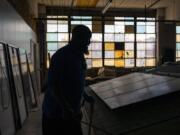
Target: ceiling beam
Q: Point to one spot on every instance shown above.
(154, 3)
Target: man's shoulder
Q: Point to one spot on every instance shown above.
(61, 52)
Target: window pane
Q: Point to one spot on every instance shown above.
(129, 54)
(119, 63)
(119, 45)
(150, 46)
(109, 28)
(62, 44)
(52, 37)
(129, 62)
(177, 53)
(62, 36)
(109, 37)
(141, 37)
(141, 23)
(109, 54)
(150, 29)
(141, 46)
(177, 46)
(96, 37)
(129, 29)
(150, 54)
(177, 29)
(97, 63)
(150, 62)
(109, 46)
(62, 28)
(62, 22)
(96, 46)
(119, 29)
(129, 46)
(129, 37)
(89, 63)
(52, 46)
(140, 62)
(119, 54)
(51, 28)
(150, 37)
(141, 29)
(140, 54)
(119, 37)
(178, 38)
(109, 62)
(96, 54)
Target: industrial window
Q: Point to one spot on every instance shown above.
(146, 38)
(177, 43)
(123, 39)
(119, 42)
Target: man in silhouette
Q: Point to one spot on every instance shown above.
(65, 86)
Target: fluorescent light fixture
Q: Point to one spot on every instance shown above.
(108, 4)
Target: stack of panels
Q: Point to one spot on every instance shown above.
(133, 88)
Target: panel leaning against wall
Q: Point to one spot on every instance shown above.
(18, 83)
(7, 126)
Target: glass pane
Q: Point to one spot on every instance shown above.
(96, 37)
(177, 53)
(178, 38)
(140, 54)
(150, 29)
(129, 29)
(52, 37)
(129, 54)
(97, 63)
(177, 46)
(109, 62)
(52, 46)
(96, 46)
(109, 46)
(141, 29)
(63, 22)
(150, 46)
(129, 37)
(96, 54)
(119, 45)
(150, 37)
(141, 46)
(119, 23)
(140, 62)
(89, 63)
(141, 23)
(62, 44)
(109, 37)
(109, 54)
(119, 37)
(62, 36)
(140, 37)
(177, 59)
(129, 46)
(150, 54)
(129, 23)
(150, 62)
(62, 28)
(177, 29)
(119, 63)
(119, 54)
(119, 29)
(51, 28)
(109, 28)
(51, 22)
(129, 62)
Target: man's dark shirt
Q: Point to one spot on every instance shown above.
(66, 78)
